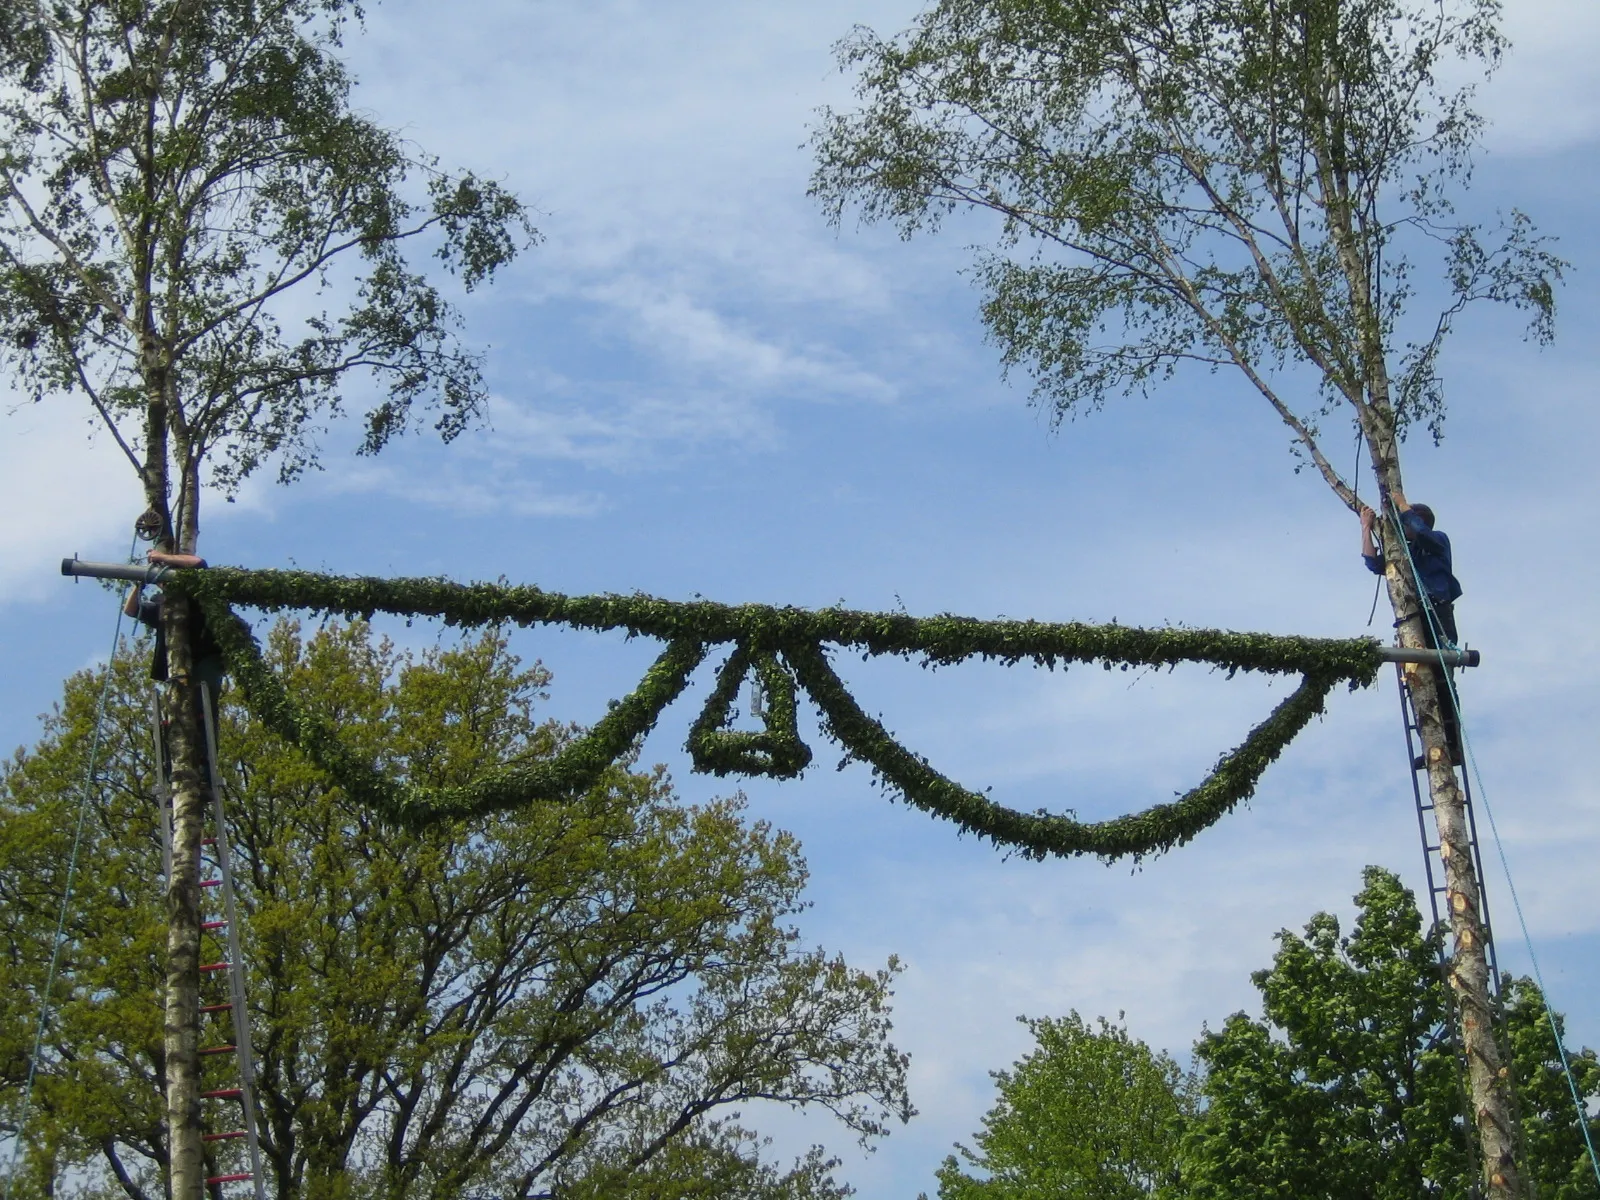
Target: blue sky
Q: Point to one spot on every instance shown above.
(701, 388)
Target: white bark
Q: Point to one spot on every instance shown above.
(1488, 1077)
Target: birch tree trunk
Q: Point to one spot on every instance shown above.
(189, 791)
(1488, 1077)
(190, 794)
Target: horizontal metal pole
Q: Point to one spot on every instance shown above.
(129, 571)
(1450, 658)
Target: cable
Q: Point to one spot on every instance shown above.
(1505, 866)
(66, 899)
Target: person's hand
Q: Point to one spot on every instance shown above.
(1367, 517)
(160, 558)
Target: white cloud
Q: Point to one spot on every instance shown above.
(690, 335)
(68, 490)
(617, 428)
(1544, 98)
(671, 190)
(460, 488)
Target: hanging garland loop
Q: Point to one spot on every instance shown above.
(785, 648)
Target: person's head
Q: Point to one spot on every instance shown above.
(1426, 513)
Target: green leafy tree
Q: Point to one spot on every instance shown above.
(1555, 1144)
(1089, 1114)
(1351, 1085)
(204, 241)
(1249, 185)
(576, 999)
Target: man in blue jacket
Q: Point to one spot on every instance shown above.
(1430, 552)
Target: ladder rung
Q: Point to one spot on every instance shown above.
(239, 1178)
(222, 1137)
(211, 883)
(215, 1008)
(223, 1094)
(208, 841)
(211, 926)
(219, 1050)
(217, 966)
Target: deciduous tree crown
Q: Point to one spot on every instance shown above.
(581, 998)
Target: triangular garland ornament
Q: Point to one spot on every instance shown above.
(718, 749)
(787, 650)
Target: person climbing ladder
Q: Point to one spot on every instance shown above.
(1430, 554)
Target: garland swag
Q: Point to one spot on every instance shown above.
(784, 647)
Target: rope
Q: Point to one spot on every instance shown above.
(1500, 851)
(66, 900)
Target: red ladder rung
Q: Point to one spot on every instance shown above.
(223, 1094)
(216, 966)
(222, 1137)
(216, 1179)
(211, 883)
(208, 841)
(215, 1008)
(213, 926)
(218, 1049)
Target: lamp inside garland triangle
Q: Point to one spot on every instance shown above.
(788, 651)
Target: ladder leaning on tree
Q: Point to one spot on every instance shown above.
(1455, 902)
(1434, 855)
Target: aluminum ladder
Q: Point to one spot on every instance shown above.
(1432, 861)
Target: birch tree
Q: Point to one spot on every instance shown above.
(204, 243)
(1253, 186)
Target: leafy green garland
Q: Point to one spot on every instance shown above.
(571, 772)
(760, 634)
(1040, 834)
(778, 751)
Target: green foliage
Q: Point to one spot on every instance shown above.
(1254, 184)
(1152, 830)
(1360, 1097)
(110, 975)
(760, 634)
(172, 172)
(1351, 1086)
(1089, 1114)
(778, 751)
(1552, 1142)
(706, 1169)
(574, 998)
